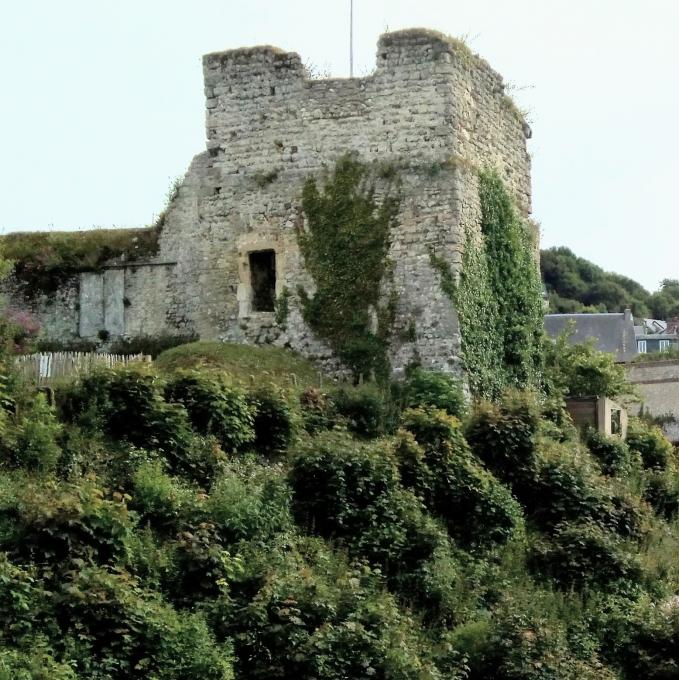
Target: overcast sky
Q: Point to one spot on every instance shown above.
(102, 104)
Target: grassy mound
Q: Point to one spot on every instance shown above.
(244, 364)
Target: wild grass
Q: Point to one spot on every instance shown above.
(245, 365)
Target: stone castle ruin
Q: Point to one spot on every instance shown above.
(432, 113)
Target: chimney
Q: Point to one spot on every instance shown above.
(628, 316)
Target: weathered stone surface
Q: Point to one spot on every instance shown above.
(431, 111)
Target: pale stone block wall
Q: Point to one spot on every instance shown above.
(658, 383)
(431, 111)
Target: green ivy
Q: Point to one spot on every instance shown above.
(498, 296)
(282, 307)
(345, 250)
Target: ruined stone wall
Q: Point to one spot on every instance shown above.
(125, 300)
(658, 384)
(425, 121)
(57, 312)
(431, 111)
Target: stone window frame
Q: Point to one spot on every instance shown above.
(253, 244)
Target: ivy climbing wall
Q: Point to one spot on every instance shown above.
(421, 126)
(417, 132)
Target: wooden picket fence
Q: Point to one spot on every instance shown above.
(44, 368)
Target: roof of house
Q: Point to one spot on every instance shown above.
(611, 332)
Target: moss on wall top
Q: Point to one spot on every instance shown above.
(42, 261)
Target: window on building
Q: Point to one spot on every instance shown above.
(641, 346)
(664, 345)
(263, 280)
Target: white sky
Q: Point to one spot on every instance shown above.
(102, 104)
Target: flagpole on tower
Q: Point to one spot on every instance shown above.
(351, 38)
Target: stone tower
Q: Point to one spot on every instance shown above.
(431, 108)
(228, 247)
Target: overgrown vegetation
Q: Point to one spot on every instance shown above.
(498, 296)
(43, 261)
(208, 518)
(221, 515)
(345, 246)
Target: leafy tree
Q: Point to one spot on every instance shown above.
(577, 285)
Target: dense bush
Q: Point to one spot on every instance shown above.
(352, 492)
(662, 492)
(56, 524)
(650, 443)
(611, 452)
(34, 661)
(214, 408)
(438, 390)
(248, 502)
(642, 639)
(34, 445)
(149, 344)
(582, 554)
(132, 546)
(440, 467)
(114, 629)
(318, 411)
(274, 420)
(128, 404)
(164, 501)
(523, 645)
(364, 409)
(581, 370)
(312, 615)
(503, 436)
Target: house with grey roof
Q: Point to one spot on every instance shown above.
(610, 332)
(656, 336)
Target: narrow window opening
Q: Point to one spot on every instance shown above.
(263, 280)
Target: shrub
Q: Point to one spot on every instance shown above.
(128, 404)
(476, 508)
(202, 460)
(438, 390)
(55, 524)
(34, 660)
(650, 443)
(318, 411)
(583, 554)
(249, 502)
(580, 370)
(662, 492)
(149, 344)
(566, 486)
(642, 639)
(274, 421)
(503, 436)
(611, 452)
(35, 446)
(214, 408)
(22, 601)
(162, 500)
(311, 615)
(202, 564)
(519, 645)
(110, 623)
(350, 492)
(364, 408)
